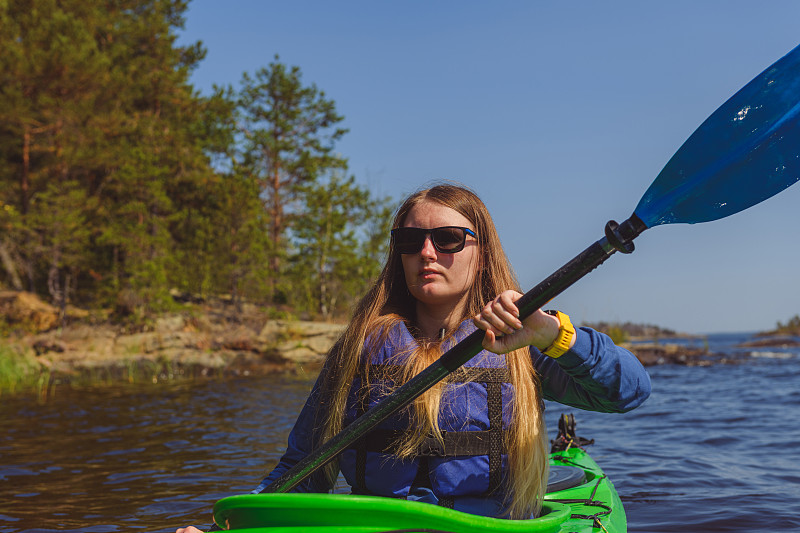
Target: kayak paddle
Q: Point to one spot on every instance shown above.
(747, 151)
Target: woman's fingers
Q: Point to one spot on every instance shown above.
(504, 329)
(502, 344)
(500, 319)
(500, 315)
(505, 309)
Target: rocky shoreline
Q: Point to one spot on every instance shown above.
(209, 339)
(182, 346)
(203, 340)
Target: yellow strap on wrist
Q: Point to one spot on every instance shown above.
(565, 333)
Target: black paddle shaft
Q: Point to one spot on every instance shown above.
(619, 237)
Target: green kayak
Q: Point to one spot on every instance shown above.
(580, 498)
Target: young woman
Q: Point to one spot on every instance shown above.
(476, 442)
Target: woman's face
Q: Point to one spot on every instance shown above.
(436, 279)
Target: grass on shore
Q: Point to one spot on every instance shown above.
(21, 373)
(18, 371)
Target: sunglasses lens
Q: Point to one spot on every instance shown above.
(448, 240)
(409, 240)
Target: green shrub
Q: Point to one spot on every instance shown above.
(617, 334)
(17, 370)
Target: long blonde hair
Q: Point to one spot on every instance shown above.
(388, 302)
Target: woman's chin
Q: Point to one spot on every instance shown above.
(429, 296)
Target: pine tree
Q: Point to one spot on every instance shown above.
(103, 136)
(51, 71)
(289, 131)
(163, 170)
(337, 248)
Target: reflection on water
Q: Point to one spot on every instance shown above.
(714, 449)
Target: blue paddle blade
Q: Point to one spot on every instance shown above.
(745, 152)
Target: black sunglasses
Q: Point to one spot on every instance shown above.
(446, 240)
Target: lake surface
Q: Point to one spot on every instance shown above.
(715, 448)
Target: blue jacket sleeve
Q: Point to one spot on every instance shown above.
(595, 374)
(299, 446)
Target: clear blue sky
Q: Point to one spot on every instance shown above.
(559, 115)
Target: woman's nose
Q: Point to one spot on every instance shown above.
(428, 250)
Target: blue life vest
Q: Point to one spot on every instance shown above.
(475, 412)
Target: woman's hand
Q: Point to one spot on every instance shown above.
(190, 529)
(506, 332)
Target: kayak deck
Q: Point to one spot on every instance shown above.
(592, 505)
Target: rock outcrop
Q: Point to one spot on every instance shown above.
(204, 340)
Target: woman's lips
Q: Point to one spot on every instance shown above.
(428, 273)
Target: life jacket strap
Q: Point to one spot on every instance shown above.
(496, 440)
(463, 375)
(456, 443)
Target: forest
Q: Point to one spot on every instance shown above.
(121, 185)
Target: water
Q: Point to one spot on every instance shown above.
(715, 448)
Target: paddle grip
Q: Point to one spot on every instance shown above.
(459, 354)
